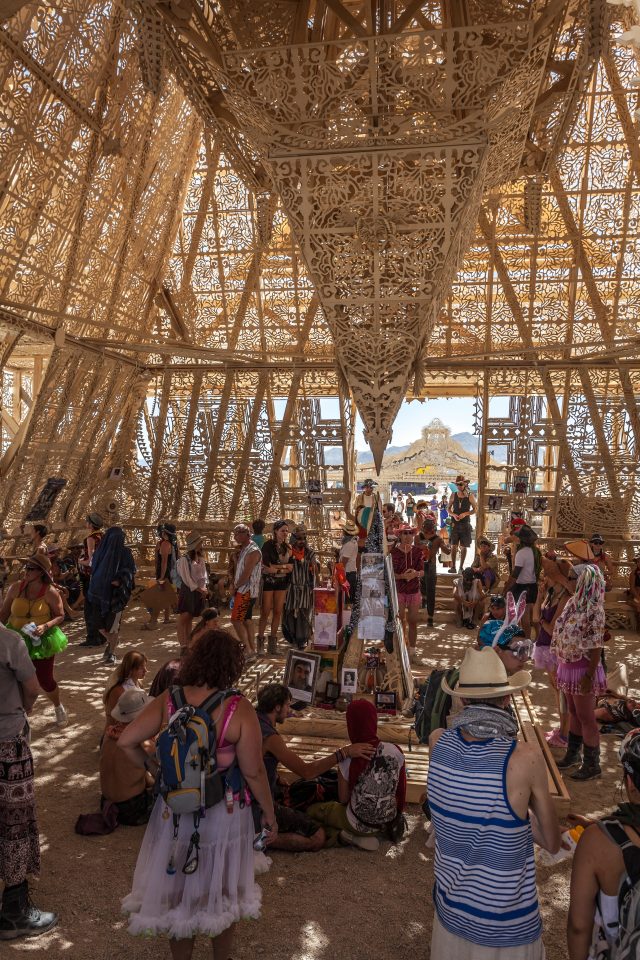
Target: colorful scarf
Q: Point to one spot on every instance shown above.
(483, 721)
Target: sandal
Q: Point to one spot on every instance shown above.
(555, 739)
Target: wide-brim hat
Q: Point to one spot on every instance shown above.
(580, 549)
(350, 528)
(527, 536)
(597, 538)
(461, 478)
(483, 676)
(131, 703)
(486, 541)
(369, 483)
(40, 560)
(95, 520)
(405, 528)
(193, 541)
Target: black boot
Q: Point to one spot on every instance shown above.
(573, 754)
(260, 645)
(272, 644)
(20, 918)
(590, 768)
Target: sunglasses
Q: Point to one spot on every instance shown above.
(29, 568)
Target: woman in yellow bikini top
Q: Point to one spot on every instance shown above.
(24, 610)
(35, 600)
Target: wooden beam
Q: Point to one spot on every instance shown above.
(161, 426)
(524, 331)
(185, 456)
(243, 466)
(347, 18)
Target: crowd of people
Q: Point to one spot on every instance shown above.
(487, 794)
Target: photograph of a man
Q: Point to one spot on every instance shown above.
(301, 672)
(301, 675)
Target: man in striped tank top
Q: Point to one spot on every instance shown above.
(489, 801)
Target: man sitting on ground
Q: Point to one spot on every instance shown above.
(296, 830)
(485, 564)
(468, 599)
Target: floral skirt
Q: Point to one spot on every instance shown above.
(19, 840)
(569, 676)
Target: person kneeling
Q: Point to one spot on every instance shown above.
(123, 783)
(296, 829)
(372, 792)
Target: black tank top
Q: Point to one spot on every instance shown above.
(461, 505)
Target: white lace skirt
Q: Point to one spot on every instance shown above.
(220, 892)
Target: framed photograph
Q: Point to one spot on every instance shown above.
(373, 607)
(332, 692)
(301, 674)
(349, 680)
(372, 590)
(386, 701)
(372, 567)
(494, 503)
(328, 672)
(520, 483)
(540, 504)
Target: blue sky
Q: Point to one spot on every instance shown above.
(455, 412)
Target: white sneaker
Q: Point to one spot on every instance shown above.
(362, 843)
(61, 716)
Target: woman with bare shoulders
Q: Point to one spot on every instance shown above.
(182, 903)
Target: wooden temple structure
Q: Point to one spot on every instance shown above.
(228, 225)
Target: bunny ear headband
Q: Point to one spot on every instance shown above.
(515, 613)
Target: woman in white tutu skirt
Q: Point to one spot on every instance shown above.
(222, 889)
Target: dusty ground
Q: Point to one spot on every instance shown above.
(341, 903)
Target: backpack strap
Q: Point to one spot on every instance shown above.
(630, 852)
(210, 704)
(178, 697)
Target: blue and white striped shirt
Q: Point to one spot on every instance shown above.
(485, 880)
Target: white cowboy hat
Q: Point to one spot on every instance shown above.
(131, 703)
(483, 677)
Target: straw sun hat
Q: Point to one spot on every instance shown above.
(39, 560)
(193, 541)
(350, 528)
(580, 549)
(483, 677)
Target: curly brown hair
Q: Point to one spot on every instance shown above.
(216, 660)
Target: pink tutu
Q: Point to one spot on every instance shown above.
(220, 892)
(544, 658)
(569, 676)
